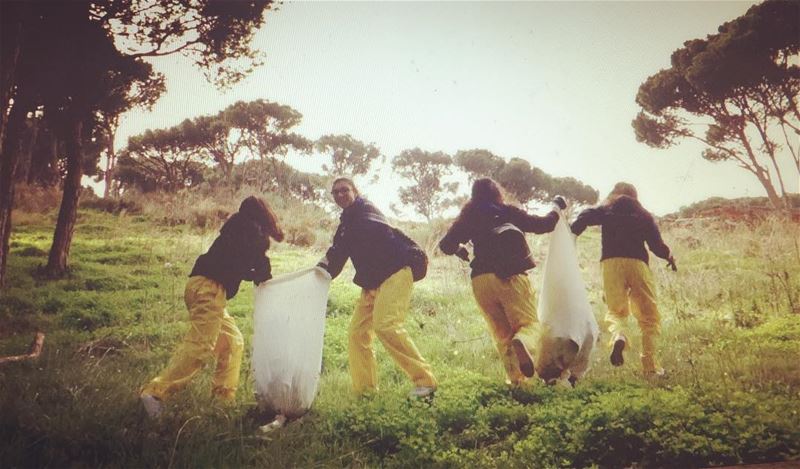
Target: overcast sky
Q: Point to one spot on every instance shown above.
(551, 82)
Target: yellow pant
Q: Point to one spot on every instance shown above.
(629, 287)
(212, 333)
(382, 312)
(509, 308)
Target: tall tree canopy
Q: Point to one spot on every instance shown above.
(349, 156)
(160, 160)
(70, 59)
(428, 192)
(737, 92)
(478, 163)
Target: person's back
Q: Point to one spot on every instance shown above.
(625, 228)
(236, 254)
(478, 223)
(366, 237)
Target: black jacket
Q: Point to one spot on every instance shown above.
(626, 227)
(238, 253)
(365, 237)
(477, 225)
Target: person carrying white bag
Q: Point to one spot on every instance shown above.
(628, 285)
(288, 328)
(569, 329)
(501, 261)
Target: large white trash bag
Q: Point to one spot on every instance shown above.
(569, 329)
(288, 327)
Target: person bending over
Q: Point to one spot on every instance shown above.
(386, 280)
(238, 253)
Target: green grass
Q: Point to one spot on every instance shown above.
(731, 345)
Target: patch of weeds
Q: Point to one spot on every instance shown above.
(53, 305)
(15, 302)
(88, 312)
(31, 251)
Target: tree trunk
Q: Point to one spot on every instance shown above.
(111, 161)
(11, 14)
(774, 199)
(8, 167)
(68, 213)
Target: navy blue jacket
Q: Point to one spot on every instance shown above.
(365, 237)
(238, 253)
(477, 225)
(626, 227)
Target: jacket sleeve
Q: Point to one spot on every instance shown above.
(339, 252)
(588, 217)
(253, 249)
(654, 241)
(455, 237)
(262, 270)
(533, 223)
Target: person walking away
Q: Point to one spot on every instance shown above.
(238, 253)
(501, 261)
(627, 280)
(382, 271)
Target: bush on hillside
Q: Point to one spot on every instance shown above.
(32, 198)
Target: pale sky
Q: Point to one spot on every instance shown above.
(551, 82)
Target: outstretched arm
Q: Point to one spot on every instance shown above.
(588, 217)
(533, 223)
(452, 242)
(337, 254)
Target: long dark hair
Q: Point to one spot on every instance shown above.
(484, 191)
(259, 211)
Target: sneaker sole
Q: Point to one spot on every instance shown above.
(616, 354)
(524, 358)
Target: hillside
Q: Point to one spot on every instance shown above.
(731, 338)
(745, 209)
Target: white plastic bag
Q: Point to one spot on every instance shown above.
(288, 328)
(569, 329)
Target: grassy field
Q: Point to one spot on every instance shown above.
(731, 347)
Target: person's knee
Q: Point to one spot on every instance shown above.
(358, 338)
(386, 331)
(650, 323)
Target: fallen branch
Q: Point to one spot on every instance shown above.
(35, 351)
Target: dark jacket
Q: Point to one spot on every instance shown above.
(365, 237)
(626, 227)
(476, 225)
(238, 253)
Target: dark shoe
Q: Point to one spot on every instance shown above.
(573, 380)
(616, 353)
(523, 357)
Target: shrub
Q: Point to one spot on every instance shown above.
(301, 235)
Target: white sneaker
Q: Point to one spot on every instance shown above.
(279, 421)
(422, 391)
(152, 405)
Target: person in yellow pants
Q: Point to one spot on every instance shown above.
(627, 280)
(383, 273)
(500, 281)
(238, 253)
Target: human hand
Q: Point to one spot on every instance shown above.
(560, 202)
(671, 264)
